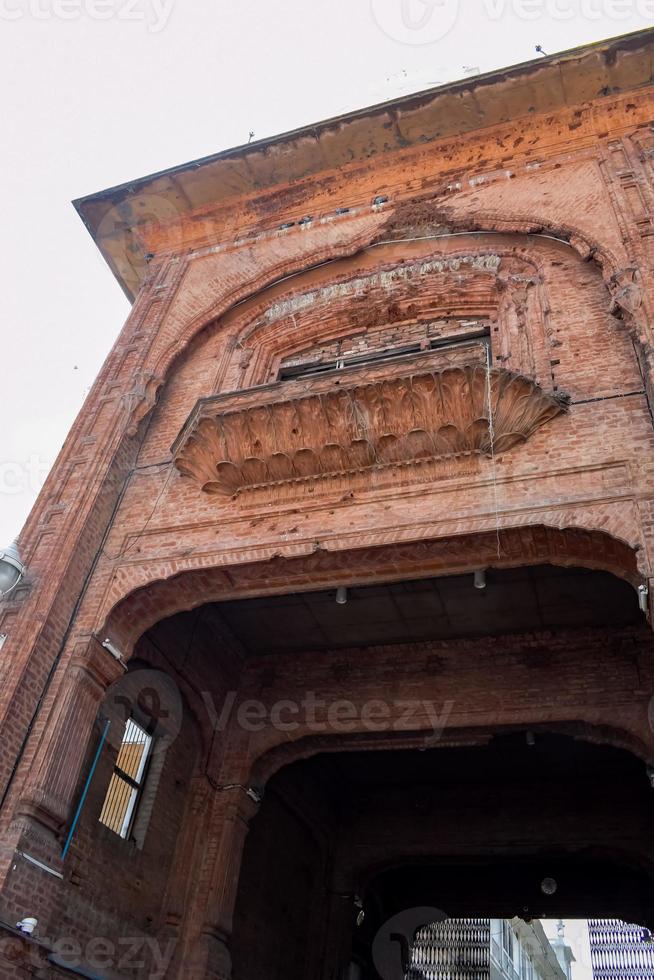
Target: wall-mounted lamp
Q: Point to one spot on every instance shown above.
(341, 595)
(643, 598)
(113, 649)
(27, 925)
(480, 578)
(11, 569)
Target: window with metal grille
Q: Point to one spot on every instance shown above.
(318, 367)
(463, 340)
(295, 371)
(126, 784)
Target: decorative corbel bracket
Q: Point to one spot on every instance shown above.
(431, 406)
(141, 398)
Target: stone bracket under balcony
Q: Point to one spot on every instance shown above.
(429, 406)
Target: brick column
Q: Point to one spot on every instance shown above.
(339, 919)
(48, 796)
(31, 844)
(208, 954)
(182, 889)
(49, 792)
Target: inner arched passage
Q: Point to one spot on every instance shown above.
(471, 830)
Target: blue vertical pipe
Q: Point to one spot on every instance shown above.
(80, 805)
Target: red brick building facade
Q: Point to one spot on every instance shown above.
(382, 353)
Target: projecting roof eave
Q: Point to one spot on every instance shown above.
(546, 84)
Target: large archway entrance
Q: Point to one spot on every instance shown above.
(424, 742)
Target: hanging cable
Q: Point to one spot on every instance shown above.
(125, 551)
(491, 436)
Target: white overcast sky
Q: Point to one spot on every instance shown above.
(89, 103)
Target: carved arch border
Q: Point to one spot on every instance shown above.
(620, 279)
(158, 369)
(244, 321)
(159, 364)
(241, 320)
(274, 341)
(529, 224)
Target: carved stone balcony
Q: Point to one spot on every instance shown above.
(428, 406)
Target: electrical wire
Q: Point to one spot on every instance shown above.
(125, 551)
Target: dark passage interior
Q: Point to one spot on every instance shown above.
(470, 830)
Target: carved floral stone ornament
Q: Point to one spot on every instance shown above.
(141, 398)
(428, 406)
(627, 291)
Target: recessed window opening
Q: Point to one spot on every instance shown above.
(446, 343)
(341, 363)
(127, 781)
(372, 357)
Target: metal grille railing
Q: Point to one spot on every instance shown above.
(457, 949)
(620, 950)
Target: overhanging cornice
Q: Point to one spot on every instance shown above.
(544, 85)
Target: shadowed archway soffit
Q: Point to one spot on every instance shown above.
(426, 407)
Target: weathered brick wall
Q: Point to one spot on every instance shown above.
(589, 356)
(110, 908)
(511, 680)
(120, 905)
(119, 889)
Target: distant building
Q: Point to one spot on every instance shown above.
(484, 949)
(563, 950)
